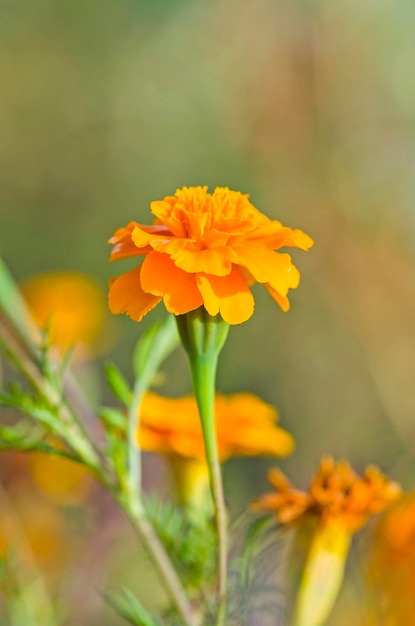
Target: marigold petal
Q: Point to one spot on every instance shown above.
(216, 261)
(279, 299)
(264, 265)
(124, 244)
(269, 442)
(296, 239)
(289, 278)
(161, 277)
(228, 295)
(124, 247)
(127, 296)
(273, 235)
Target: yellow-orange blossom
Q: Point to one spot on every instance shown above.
(245, 424)
(204, 249)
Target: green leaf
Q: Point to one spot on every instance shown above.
(191, 546)
(113, 418)
(25, 438)
(153, 348)
(36, 408)
(118, 383)
(128, 607)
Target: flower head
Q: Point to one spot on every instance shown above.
(337, 503)
(204, 250)
(245, 426)
(71, 305)
(336, 491)
(391, 559)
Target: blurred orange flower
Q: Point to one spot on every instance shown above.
(245, 426)
(61, 480)
(204, 250)
(71, 306)
(336, 491)
(392, 563)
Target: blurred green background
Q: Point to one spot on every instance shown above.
(309, 106)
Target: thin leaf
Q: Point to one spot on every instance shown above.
(128, 607)
(118, 383)
(113, 418)
(153, 348)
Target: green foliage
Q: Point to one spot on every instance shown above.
(128, 607)
(36, 407)
(153, 348)
(191, 545)
(119, 385)
(26, 436)
(255, 573)
(113, 419)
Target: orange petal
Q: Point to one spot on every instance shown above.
(228, 295)
(271, 441)
(127, 296)
(124, 244)
(288, 276)
(146, 236)
(279, 299)
(295, 239)
(161, 277)
(216, 261)
(264, 265)
(273, 235)
(124, 247)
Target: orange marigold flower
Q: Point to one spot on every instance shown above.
(245, 426)
(391, 563)
(336, 491)
(204, 250)
(71, 306)
(337, 503)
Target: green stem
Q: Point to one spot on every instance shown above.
(203, 336)
(203, 370)
(75, 433)
(134, 454)
(135, 511)
(162, 565)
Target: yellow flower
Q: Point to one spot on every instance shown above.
(71, 306)
(337, 503)
(204, 250)
(245, 426)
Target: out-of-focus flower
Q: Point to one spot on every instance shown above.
(71, 306)
(204, 250)
(337, 503)
(245, 426)
(35, 529)
(62, 481)
(335, 491)
(391, 560)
